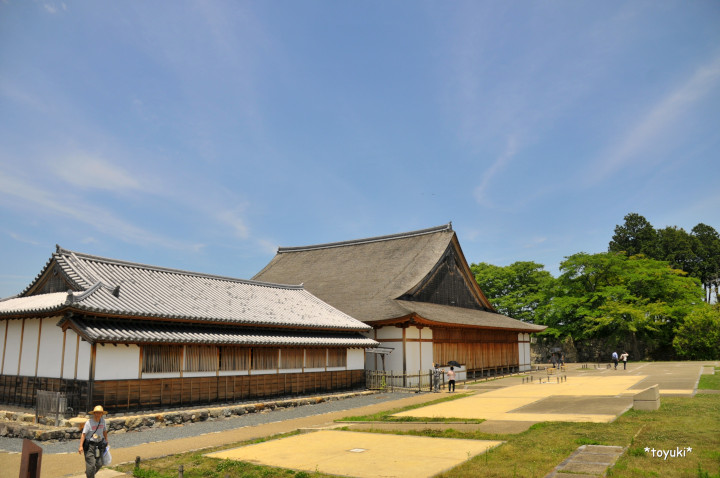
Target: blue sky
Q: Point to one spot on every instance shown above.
(202, 135)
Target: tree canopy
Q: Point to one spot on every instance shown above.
(644, 295)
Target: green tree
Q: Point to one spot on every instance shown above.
(620, 299)
(517, 290)
(635, 236)
(698, 338)
(707, 251)
(678, 248)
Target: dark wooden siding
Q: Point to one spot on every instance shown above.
(125, 395)
(477, 349)
(445, 285)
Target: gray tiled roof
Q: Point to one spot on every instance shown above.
(153, 332)
(109, 287)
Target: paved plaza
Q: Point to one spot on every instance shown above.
(507, 405)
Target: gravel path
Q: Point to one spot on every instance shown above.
(123, 440)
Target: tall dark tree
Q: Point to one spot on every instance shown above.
(707, 251)
(636, 236)
(677, 247)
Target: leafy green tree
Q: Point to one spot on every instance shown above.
(678, 248)
(635, 236)
(620, 299)
(707, 251)
(517, 290)
(698, 338)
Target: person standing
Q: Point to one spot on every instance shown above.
(436, 378)
(624, 358)
(451, 379)
(615, 359)
(93, 441)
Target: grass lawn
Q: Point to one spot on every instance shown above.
(681, 423)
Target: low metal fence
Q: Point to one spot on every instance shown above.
(391, 381)
(51, 404)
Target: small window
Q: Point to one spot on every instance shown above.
(234, 358)
(315, 358)
(161, 358)
(265, 359)
(291, 358)
(201, 358)
(337, 358)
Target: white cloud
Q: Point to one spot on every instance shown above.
(89, 172)
(61, 204)
(499, 164)
(234, 221)
(656, 125)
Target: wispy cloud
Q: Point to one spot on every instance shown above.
(481, 191)
(49, 202)
(90, 172)
(233, 219)
(656, 125)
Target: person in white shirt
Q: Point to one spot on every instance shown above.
(93, 441)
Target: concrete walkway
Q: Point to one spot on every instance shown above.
(61, 465)
(673, 379)
(588, 461)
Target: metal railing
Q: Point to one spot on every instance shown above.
(49, 404)
(392, 381)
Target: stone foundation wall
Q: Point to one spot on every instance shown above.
(22, 425)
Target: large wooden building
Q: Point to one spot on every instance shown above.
(417, 292)
(128, 335)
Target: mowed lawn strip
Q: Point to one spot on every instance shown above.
(680, 423)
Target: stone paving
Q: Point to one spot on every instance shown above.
(672, 379)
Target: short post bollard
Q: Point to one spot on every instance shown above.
(31, 460)
(137, 462)
(180, 471)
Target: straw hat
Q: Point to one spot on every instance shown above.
(98, 408)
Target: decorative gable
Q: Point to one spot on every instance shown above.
(52, 280)
(447, 284)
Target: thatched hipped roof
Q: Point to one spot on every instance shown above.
(419, 275)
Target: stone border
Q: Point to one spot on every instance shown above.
(22, 425)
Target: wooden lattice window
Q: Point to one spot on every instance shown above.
(234, 358)
(265, 358)
(315, 358)
(337, 358)
(201, 358)
(161, 358)
(291, 358)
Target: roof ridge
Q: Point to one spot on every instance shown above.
(389, 237)
(139, 265)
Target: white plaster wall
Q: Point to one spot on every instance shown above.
(2, 337)
(83, 372)
(70, 346)
(196, 374)
(228, 373)
(356, 359)
(525, 365)
(12, 352)
(161, 375)
(389, 333)
(412, 349)
(51, 343)
(394, 360)
(427, 355)
(116, 363)
(412, 333)
(273, 371)
(29, 347)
